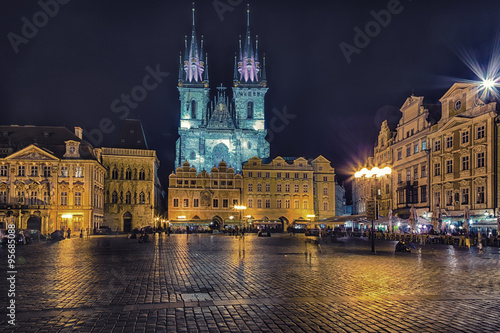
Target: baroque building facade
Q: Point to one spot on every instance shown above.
(222, 129)
(132, 188)
(443, 158)
(50, 179)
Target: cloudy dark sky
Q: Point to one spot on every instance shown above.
(92, 51)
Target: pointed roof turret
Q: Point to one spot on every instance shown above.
(181, 73)
(194, 65)
(205, 77)
(264, 76)
(248, 62)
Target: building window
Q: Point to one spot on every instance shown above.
(114, 174)
(64, 171)
(225, 203)
(437, 198)
(387, 189)
(78, 172)
(437, 169)
(278, 175)
(325, 205)
(278, 203)
(480, 194)
(423, 171)
(437, 145)
(193, 109)
(235, 202)
(408, 175)
(20, 197)
(305, 188)
(449, 198)
(176, 203)
(424, 145)
(78, 198)
(465, 162)
(250, 187)
(34, 171)
(268, 175)
(185, 203)
(4, 170)
(304, 176)
(33, 198)
(250, 203)
(142, 198)
(423, 194)
(259, 187)
(250, 110)
(296, 204)
(287, 203)
(415, 148)
(128, 174)
(480, 132)
(142, 175)
(215, 203)
(400, 154)
(449, 142)
(465, 196)
(399, 178)
(449, 166)
(259, 174)
(296, 188)
(325, 178)
(268, 203)
(480, 160)
(21, 171)
(268, 187)
(3, 197)
(287, 175)
(306, 204)
(325, 190)
(196, 203)
(46, 170)
(415, 172)
(296, 175)
(408, 151)
(250, 174)
(320, 168)
(259, 203)
(278, 188)
(287, 188)
(465, 137)
(114, 197)
(64, 198)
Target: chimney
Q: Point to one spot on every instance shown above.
(79, 132)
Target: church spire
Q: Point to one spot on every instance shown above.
(194, 66)
(248, 64)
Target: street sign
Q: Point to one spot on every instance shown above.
(370, 210)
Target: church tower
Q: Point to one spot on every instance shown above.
(249, 90)
(224, 129)
(194, 91)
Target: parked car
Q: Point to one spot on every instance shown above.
(103, 230)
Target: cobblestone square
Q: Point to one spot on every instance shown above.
(218, 283)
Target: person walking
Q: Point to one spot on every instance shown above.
(69, 233)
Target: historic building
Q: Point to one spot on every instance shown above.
(222, 129)
(199, 197)
(49, 179)
(383, 158)
(410, 167)
(132, 188)
(323, 188)
(464, 146)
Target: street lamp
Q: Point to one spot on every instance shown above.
(377, 172)
(240, 208)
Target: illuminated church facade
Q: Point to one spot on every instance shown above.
(222, 128)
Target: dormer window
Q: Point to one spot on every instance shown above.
(458, 105)
(72, 149)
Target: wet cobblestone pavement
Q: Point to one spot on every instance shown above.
(205, 283)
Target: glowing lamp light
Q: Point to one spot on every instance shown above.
(240, 207)
(377, 172)
(67, 216)
(182, 217)
(231, 217)
(311, 215)
(488, 84)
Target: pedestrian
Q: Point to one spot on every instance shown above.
(480, 242)
(69, 233)
(81, 233)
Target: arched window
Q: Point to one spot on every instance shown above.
(193, 155)
(142, 198)
(142, 175)
(325, 205)
(250, 110)
(114, 197)
(193, 109)
(128, 174)
(114, 173)
(128, 198)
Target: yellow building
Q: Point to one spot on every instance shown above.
(464, 147)
(50, 179)
(132, 188)
(202, 198)
(383, 158)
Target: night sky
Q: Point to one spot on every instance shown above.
(93, 51)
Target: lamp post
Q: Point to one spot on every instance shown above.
(371, 211)
(240, 209)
